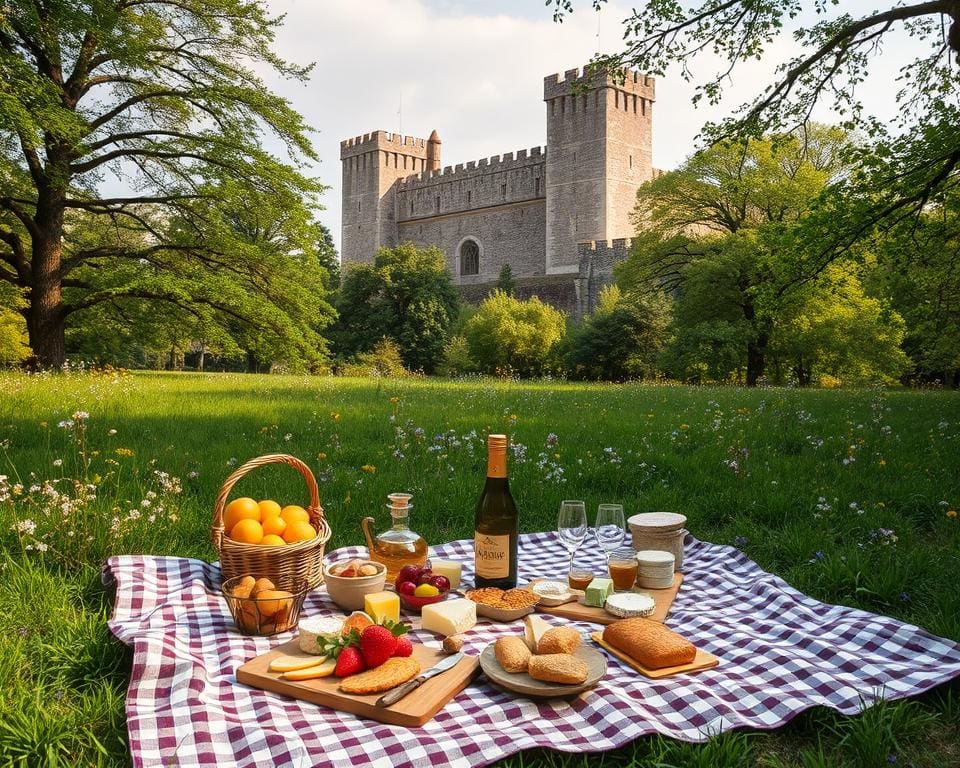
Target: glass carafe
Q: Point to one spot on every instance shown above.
(397, 546)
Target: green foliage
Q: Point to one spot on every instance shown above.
(505, 281)
(406, 295)
(168, 98)
(622, 340)
(508, 335)
(456, 358)
(14, 347)
(383, 360)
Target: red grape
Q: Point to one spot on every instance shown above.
(440, 582)
(425, 577)
(406, 588)
(408, 573)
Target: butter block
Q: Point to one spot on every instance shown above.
(449, 617)
(598, 591)
(382, 605)
(449, 568)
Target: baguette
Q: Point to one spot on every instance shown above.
(649, 642)
(512, 654)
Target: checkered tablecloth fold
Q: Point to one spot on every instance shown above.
(781, 653)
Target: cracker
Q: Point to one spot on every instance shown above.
(388, 675)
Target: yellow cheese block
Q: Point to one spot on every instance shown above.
(449, 617)
(382, 605)
(449, 568)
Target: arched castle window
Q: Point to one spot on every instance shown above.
(469, 258)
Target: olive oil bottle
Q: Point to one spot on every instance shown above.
(495, 539)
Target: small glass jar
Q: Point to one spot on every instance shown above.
(623, 568)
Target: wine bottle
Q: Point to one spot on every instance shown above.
(495, 539)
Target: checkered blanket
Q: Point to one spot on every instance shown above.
(781, 652)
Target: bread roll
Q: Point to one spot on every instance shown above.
(649, 642)
(512, 653)
(558, 668)
(559, 640)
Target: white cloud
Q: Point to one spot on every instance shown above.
(476, 76)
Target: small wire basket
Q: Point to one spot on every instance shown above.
(270, 612)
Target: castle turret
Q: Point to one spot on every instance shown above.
(372, 163)
(433, 152)
(599, 137)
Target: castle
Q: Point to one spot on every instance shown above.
(550, 213)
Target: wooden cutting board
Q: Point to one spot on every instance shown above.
(577, 611)
(412, 710)
(702, 660)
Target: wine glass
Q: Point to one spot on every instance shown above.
(610, 527)
(572, 525)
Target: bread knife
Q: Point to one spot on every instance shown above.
(392, 697)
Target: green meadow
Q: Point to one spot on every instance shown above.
(851, 496)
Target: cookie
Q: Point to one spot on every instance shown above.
(388, 675)
(512, 653)
(559, 640)
(558, 668)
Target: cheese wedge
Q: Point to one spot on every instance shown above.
(311, 673)
(449, 617)
(293, 663)
(313, 633)
(533, 629)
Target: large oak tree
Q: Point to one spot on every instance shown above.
(163, 103)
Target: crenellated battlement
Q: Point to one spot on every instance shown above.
(496, 164)
(383, 141)
(633, 82)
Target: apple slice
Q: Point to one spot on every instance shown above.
(293, 663)
(310, 673)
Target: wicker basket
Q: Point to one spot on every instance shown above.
(287, 566)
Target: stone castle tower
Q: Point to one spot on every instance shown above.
(547, 212)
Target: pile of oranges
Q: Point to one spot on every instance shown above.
(265, 522)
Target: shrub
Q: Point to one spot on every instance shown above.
(507, 334)
(456, 358)
(383, 360)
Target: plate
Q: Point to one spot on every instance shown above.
(524, 685)
(502, 614)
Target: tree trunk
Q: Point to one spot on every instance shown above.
(46, 318)
(200, 358)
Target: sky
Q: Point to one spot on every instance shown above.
(474, 72)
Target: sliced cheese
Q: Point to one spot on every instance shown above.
(382, 605)
(533, 629)
(449, 568)
(293, 663)
(449, 617)
(314, 631)
(312, 673)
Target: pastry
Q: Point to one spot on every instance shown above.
(559, 640)
(557, 668)
(390, 674)
(512, 653)
(649, 642)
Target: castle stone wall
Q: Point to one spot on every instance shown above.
(596, 262)
(512, 233)
(560, 291)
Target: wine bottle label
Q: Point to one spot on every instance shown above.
(492, 555)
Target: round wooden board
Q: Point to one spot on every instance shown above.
(521, 683)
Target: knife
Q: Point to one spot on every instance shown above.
(396, 694)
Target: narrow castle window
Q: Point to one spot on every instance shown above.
(631, 161)
(411, 207)
(536, 186)
(469, 196)
(469, 258)
(503, 191)
(438, 203)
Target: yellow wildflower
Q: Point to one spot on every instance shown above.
(346, 499)
(684, 426)
(321, 456)
(335, 416)
(883, 462)
(368, 468)
(951, 513)
(394, 400)
(126, 452)
(43, 425)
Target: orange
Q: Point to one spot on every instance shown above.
(274, 524)
(292, 512)
(243, 508)
(247, 531)
(272, 540)
(268, 507)
(298, 530)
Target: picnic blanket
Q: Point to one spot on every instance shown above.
(781, 652)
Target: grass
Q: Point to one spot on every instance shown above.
(848, 495)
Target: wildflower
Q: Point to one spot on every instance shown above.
(883, 462)
(951, 513)
(904, 597)
(65, 424)
(288, 437)
(43, 425)
(368, 468)
(394, 400)
(41, 546)
(111, 432)
(818, 555)
(231, 461)
(125, 452)
(398, 454)
(552, 440)
(740, 542)
(418, 433)
(335, 416)
(25, 526)
(193, 474)
(321, 456)
(684, 426)
(58, 462)
(81, 415)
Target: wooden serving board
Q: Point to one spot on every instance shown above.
(521, 683)
(577, 611)
(702, 660)
(412, 710)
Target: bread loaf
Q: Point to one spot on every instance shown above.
(559, 640)
(649, 642)
(558, 668)
(512, 653)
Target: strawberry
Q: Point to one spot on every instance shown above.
(377, 643)
(404, 646)
(349, 662)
